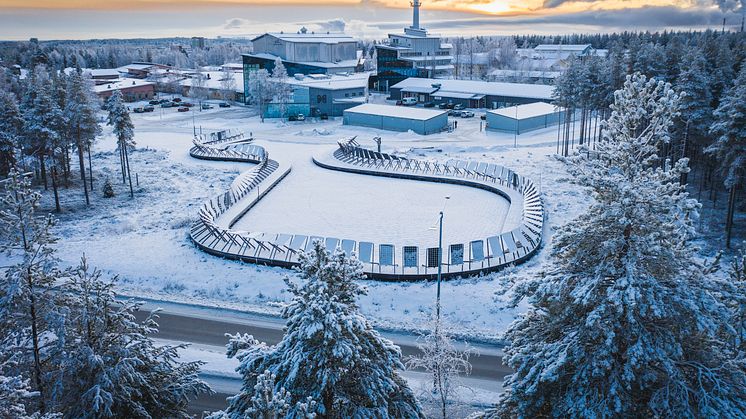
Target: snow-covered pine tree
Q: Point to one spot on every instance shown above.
(124, 131)
(11, 124)
(696, 101)
(624, 323)
(281, 90)
(14, 392)
(111, 368)
(31, 320)
(82, 124)
(444, 362)
(729, 148)
(329, 352)
(43, 119)
(266, 402)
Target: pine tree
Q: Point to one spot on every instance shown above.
(80, 114)
(31, 319)
(11, 124)
(729, 148)
(14, 392)
(329, 351)
(625, 322)
(110, 367)
(124, 131)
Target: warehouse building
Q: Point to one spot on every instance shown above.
(320, 95)
(397, 118)
(471, 93)
(524, 118)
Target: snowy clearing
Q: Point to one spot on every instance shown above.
(145, 240)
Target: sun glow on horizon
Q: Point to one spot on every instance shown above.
(493, 7)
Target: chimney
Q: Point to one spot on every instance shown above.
(416, 14)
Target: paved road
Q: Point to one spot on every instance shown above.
(208, 327)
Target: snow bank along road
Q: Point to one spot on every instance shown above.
(207, 327)
(215, 230)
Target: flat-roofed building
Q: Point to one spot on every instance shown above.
(524, 118)
(318, 95)
(397, 118)
(471, 93)
(132, 89)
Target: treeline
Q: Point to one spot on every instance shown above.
(707, 67)
(49, 123)
(59, 55)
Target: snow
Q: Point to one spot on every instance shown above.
(531, 91)
(530, 110)
(407, 112)
(333, 82)
(145, 240)
(326, 38)
(123, 83)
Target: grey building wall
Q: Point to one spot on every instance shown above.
(505, 124)
(430, 126)
(324, 100)
(490, 101)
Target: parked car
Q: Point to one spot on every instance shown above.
(399, 103)
(187, 104)
(139, 110)
(162, 101)
(176, 99)
(453, 112)
(429, 104)
(154, 102)
(458, 107)
(324, 117)
(183, 109)
(206, 106)
(167, 105)
(450, 105)
(442, 105)
(467, 114)
(409, 101)
(224, 105)
(299, 117)
(149, 108)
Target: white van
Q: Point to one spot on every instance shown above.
(409, 101)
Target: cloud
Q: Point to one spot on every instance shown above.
(236, 23)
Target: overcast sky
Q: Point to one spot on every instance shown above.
(85, 19)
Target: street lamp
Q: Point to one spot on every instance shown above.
(440, 257)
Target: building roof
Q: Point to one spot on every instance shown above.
(103, 72)
(526, 111)
(526, 73)
(405, 112)
(333, 82)
(562, 47)
(324, 38)
(320, 64)
(215, 82)
(121, 84)
(520, 90)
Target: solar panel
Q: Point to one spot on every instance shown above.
(298, 242)
(496, 248)
(409, 256)
(386, 254)
(366, 252)
(472, 165)
(282, 240)
(457, 254)
(348, 246)
(477, 250)
(433, 259)
(509, 242)
(482, 168)
(331, 244)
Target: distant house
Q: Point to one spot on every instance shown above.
(141, 70)
(397, 118)
(215, 86)
(132, 89)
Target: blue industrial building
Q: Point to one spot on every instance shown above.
(524, 118)
(397, 118)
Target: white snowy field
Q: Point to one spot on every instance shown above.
(145, 240)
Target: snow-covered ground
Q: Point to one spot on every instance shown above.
(145, 241)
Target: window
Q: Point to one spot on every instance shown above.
(410, 256)
(347, 95)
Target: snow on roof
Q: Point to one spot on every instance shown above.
(320, 64)
(525, 73)
(104, 72)
(457, 95)
(405, 112)
(333, 82)
(528, 91)
(324, 38)
(138, 66)
(561, 47)
(120, 84)
(215, 82)
(526, 111)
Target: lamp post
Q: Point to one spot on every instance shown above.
(440, 264)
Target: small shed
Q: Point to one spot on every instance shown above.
(523, 118)
(397, 118)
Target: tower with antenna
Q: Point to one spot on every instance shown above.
(415, 29)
